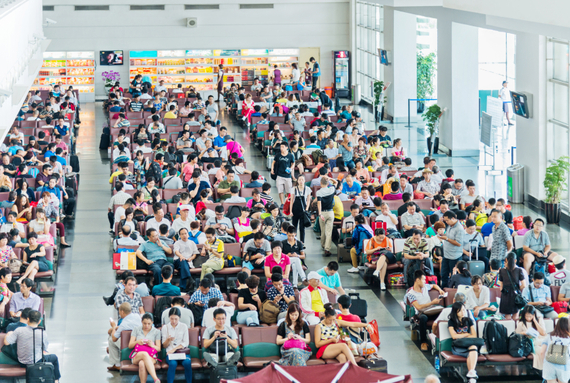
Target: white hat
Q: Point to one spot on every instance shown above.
(314, 275)
(558, 259)
(184, 207)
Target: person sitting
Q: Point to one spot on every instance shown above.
(216, 303)
(250, 301)
(291, 329)
(531, 319)
(561, 276)
(428, 186)
(145, 335)
(220, 342)
(536, 245)
(412, 220)
(186, 315)
(461, 275)
(364, 200)
(224, 187)
(416, 249)
(419, 298)
(174, 338)
(347, 320)
(312, 299)
(254, 252)
(490, 279)
(24, 298)
(221, 225)
(214, 250)
(478, 298)
(22, 322)
(158, 219)
(280, 294)
(206, 291)
(185, 251)
(395, 193)
(151, 255)
(380, 252)
(166, 288)
(328, 341)
(254, 181)
(539, 295)
(235, 198)
(24, 336)
(462, 327)
(129, 321)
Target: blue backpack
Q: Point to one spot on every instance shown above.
(194, 238)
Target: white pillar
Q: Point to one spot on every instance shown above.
(458, 88)
(532, 132)
(400, 40)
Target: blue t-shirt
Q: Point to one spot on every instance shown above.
(152, 251)
(48, 154)
(166, 290)
(330, 281)
(61, 129)
(351, 191)
(487, 229)
(219, 142)
(14, 149)
(203, 186)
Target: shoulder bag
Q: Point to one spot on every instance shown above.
(557, 353)
(306, 216)
(520, 301)
(144, 348)
(543, 309)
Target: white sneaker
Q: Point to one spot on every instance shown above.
(362, 267)
(383, 286)
(376, 273)
(472, 374)
(353, 270)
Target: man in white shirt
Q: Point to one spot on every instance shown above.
(185, 251)
(125, 239)
(185, 218)
(332, 153)
(298, 123)
(160, 87)
(392, 171)
(437, 175)
(561, 276)
(235, 198)
(154, 223)
(210, 129)
(390, 219)
(214, 304)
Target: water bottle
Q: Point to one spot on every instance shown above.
(437, 363)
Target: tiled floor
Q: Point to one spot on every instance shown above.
(78, 320)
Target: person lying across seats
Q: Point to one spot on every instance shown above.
(151, 255)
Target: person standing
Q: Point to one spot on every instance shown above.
(276, 76)
(502, 240)
(505, 96)
(325, 202)
(452, 245)
(511, 283)
(316, 72)
(300, 199)
(282, 168)
(295, 75)
(221, 73)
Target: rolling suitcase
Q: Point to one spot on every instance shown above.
(374, 364)
(223, 370)
(476, 267)
(358, 306)
(343, 254)
(39, 372)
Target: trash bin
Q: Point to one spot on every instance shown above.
(515, 183)
(356, 94)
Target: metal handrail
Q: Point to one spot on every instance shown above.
(416, 99)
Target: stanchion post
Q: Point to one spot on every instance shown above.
(409, 126)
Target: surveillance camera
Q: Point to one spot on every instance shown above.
(50, 21)
(4, 92)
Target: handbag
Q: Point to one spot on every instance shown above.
(14, 264)
(152, 352)
(557, 353)
(542, 309)
(520, 301)
(295, 343)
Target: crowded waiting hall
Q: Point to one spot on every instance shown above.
(379, 194)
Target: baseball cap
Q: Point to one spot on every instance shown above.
(227, 138)
(184, 207)
(314, 275)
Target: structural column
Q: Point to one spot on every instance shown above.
(400, 41)
(458, 88)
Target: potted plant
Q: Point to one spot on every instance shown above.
(378, 88)
(425, 74)
(555, 182)
(431, 117)
(110, 77)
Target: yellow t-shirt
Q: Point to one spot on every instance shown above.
(117, 173)
(317, 302)
(374, 150)
(338, 208)
(170, 115)
(219, 246)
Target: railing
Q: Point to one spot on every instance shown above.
(416, 99)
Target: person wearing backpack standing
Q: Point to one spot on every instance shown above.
(452, 245)
(556, 370)
(511, 282)
(536, 246)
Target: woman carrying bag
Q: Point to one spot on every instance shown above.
(465, 341)
(554, 352)
(300, 198)
(511, 281)
(294, 337)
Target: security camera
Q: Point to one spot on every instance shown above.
(50, 21)
(4, 92)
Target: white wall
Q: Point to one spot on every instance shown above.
(291, 24)
(531, 133)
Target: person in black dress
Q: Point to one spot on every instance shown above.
(508, 291)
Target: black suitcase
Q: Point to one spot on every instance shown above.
(223, 371)
(374, 364)
(40, 372)
(105, 141)
(358, 306)
(74, 163)
(342, 254)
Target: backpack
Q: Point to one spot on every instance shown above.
(520, 346)
(416, 265)
(495, 337)
(162, 304)
(481, 219)
(490, 280)
(154, 171)
(198, 313)
(233, 212)
(542, 267)
(194, 238)
(269, 312)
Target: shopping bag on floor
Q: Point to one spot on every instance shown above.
(374, 334)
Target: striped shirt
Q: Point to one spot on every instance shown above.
(119, 199)
(23, 337)
(136, 106)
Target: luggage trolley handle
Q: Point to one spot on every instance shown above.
(34, 344)
(476, 247)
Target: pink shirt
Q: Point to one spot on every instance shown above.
(234, 147)
(391, 197)
(270, 262)
(62, 145)
(187, 171)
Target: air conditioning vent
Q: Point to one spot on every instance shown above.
(201, 6)
(147, 7)
(48, 8)
(191, 22)
(91, 7)
(256, 6)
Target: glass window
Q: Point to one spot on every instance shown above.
(560, 103)
(560, 61)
